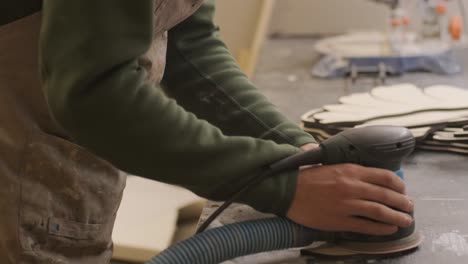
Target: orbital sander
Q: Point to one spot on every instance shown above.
(382, 147)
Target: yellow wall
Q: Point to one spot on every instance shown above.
(244, 25)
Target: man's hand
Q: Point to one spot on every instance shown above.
(335, 198)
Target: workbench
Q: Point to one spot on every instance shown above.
(438, 182)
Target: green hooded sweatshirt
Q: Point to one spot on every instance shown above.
(206, 127)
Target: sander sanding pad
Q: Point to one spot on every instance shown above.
(344, 249)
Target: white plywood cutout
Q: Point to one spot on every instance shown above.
(147, 218)
(402, 104)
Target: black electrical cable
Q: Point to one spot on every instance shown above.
(252, 183)
(310, 157)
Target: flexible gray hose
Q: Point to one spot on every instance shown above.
(241, 239)
(235, 240)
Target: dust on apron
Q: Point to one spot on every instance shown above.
(58, 200)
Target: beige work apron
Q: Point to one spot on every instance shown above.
(58, 200)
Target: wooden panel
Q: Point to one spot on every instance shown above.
(244, 25)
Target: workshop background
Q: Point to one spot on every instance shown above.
(274, 42)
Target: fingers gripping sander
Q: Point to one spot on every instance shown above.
(382, 147)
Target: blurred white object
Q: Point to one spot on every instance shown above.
(378, 44)
(415, 28)
(147, 218)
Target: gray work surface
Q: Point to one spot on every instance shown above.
(438, 182)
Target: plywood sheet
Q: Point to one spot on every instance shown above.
(147, 218)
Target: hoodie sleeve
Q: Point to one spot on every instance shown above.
(216, 89)
(99, 93)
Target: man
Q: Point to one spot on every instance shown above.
(96, 98)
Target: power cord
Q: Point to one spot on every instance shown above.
(252, 183)
(310, 157)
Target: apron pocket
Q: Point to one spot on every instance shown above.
(69, 199)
